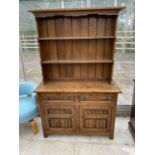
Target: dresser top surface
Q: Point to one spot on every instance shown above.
(77, 87)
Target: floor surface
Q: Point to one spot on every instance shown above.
(122, 144)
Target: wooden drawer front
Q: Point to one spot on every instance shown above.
(57, 97)
(77, 97)
(97, 97)
(60, 118)
(95, 118)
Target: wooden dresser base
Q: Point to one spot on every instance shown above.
(84, 113)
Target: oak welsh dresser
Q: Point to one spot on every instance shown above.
(77, 95)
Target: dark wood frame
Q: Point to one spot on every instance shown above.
(131, 123)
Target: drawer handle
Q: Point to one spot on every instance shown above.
(72, 97)
(46, 98)
(107, 99)
(83, 98)
(83, 116)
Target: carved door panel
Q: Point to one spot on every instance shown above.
(60, 117)
(95, 118)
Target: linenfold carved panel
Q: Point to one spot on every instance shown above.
(60, 117)
(95, 123)
(60, 122)
(95, 118)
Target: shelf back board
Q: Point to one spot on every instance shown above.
(71, 35)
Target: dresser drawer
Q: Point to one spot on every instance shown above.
(107, 97)
(97, 97)
(57, 97)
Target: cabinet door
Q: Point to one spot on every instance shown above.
(59, 117)
(95, 117)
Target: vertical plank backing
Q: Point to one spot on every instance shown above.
(110, 25)
(76, 47)
(52, 46)
(59, 28)
(48, 72)
(114, 44)
(40, 50)
(42, 29)
(44, 50)
(84, 46)
(108, 49)
(110, 31)
(42, 32)
(100, 45)
(99, 49)
(109, 44)
(92, 45)
(106, 71)
(107, 41)
(68, 45)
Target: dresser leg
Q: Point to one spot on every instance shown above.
(45, 135)
(111, 137)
